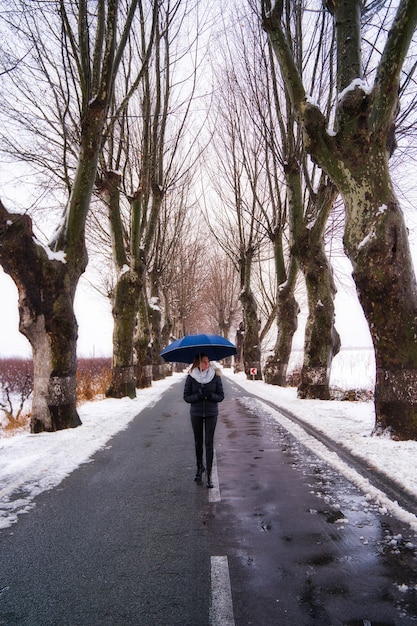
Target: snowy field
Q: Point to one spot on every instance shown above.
(31, 464)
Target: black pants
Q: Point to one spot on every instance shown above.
(204, 428)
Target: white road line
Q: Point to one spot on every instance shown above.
(221, 605)
(214, 494)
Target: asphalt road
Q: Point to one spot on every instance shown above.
(130, 538)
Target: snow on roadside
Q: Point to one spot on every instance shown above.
(349, 424)
(31, 464)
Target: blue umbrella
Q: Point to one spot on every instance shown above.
(185, 350)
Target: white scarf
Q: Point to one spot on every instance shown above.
(203, 377)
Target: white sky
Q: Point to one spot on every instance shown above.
(95, 321)
(93, 314)
(35, 463)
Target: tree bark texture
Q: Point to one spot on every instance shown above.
(125, 294)
(47, 286)
(275, 370)
(378, 247)
(356, 159)
(142, 346)
(155, 321)
(321, 341)
(251, 345)
(46, 290)
(125, 303)
(240, 334)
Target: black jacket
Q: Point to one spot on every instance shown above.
(203, 398)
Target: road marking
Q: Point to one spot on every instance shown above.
(214, 494)
(221, 605)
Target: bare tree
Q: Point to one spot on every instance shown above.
(261, 94)
(86, 44)
(222, 294)
(172, 232)
(147, 151)
(356, 157)
(295, 203)
(237, 178)
(188, 275)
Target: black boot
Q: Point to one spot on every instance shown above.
(209, 483)
(200, 470)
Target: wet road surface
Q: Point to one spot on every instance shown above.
(129, 538)
(308, 548)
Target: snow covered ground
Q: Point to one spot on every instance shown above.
(31, 464)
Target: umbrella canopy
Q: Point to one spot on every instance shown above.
(185, 350)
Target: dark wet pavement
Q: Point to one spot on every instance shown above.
(127, 538)
(305, 546)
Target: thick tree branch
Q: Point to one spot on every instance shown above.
(347, 19)
(389, 69)
(309, 116)
(291, 77)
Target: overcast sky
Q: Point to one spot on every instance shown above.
(93, 314)
(96, 325)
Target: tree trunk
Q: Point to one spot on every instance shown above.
(224, 329)
(251, 344)
(155, 320)
(240, 333)
(356, 159)
(125, 300)
(322, 341)
(275, 370)
(46, 278)
(125, 294)
(378, 247)
(166, 331)
(142, 345)
(46, 291)
(376, 242)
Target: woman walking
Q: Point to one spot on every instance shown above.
(203, 390)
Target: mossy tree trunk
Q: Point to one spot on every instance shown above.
(287, 309)
(147, 158)
(356, 159)
(251, 348)
(46, 289)
(321, 340)
(275, 370)
(131, 334)
(251, 344)
(155, 324)
(308, 205)
(142, 345)
(166, 331)
(46, 278)
(378, 247)
(124, 296)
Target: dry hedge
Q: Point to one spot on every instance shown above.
(16, 386)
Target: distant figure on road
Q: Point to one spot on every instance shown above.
(203, 390)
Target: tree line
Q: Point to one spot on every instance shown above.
(200, 155)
